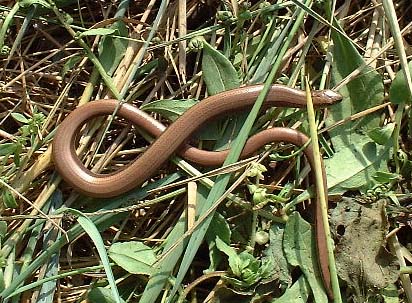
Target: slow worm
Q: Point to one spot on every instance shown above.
(172, 140)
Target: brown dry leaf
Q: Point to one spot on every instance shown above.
(361, 257)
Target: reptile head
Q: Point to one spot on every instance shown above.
(326, 97)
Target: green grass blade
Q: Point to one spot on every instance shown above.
(7, 22)
(94, 234)
(164, 269)
(321, 194)
(90, 228)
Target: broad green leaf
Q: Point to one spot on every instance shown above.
(363, 92)
(276, 255)
(19, 117)
(220, 228)
(7, 148)
(300, 248)
(353, 167)
(101, 295)
(382, 135)
(97, 31)
(218, 72)
(244, 266)
(298, 293)
(112, 49)
(133, 256)
(357, 158)
(399, 92)
(390, 294)
(170, 109)
(386, 177)
(234, 260)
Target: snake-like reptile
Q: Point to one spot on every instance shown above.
(173, 140)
